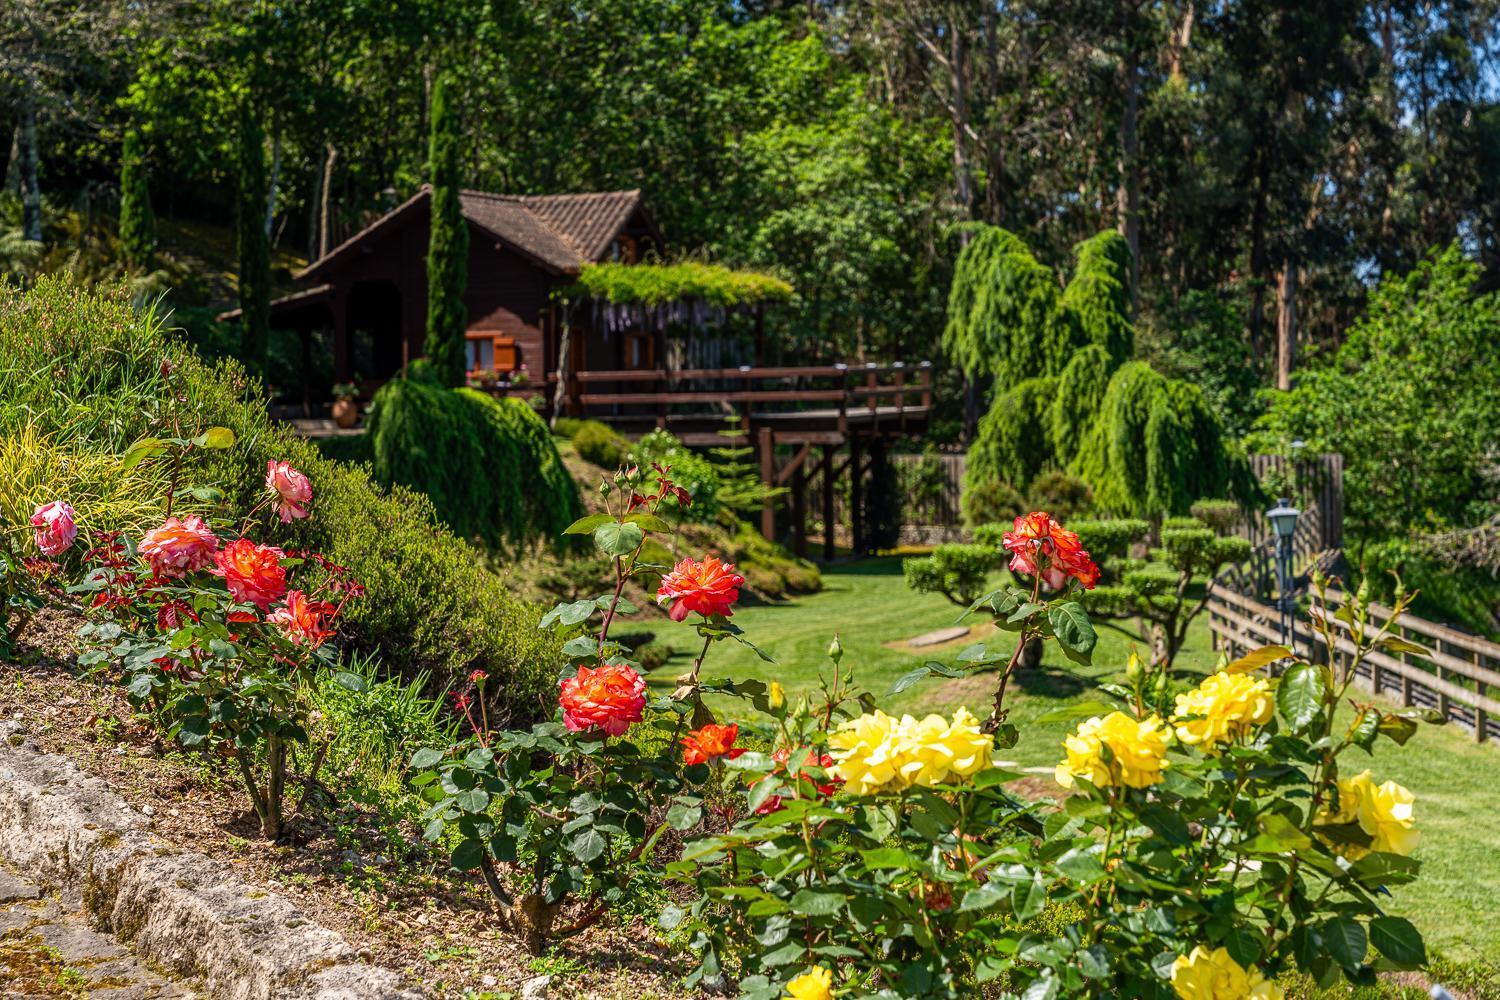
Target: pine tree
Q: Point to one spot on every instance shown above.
(254, 248)
(447, 246)
(137, 221)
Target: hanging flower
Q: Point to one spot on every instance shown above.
(253, 573)
(1223, 708)
(1137, 752)
(304, 621)
(814, 984)
(179, 547)
(55, 530)
(1384, 812)
(709, 587)
(292, 489)
(710, 743)
(1215, 975)
(1041, 547)
(610, 698)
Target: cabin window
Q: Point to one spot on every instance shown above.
(639, 350)
(487, 352)
(624, 250)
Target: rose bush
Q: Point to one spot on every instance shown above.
(208, 637)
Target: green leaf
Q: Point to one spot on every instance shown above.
(1396, 644)
(817, 904)
(907, 679)
(351, 682)
(649, 522)
(989, 895)
(1030, 898)
(684, 816)
(586, 525)
(671, 916)
(1398, 941)
(588, 845)
(144, 448)
(618, 539)
(1257, 658)
(1067, 713)
(215, 437)
(473, 800)
(1301, 694)
(425, 758)
(1074, 631)
(1345, 939)
(1396, 728)
(467, 855)
(886, 857)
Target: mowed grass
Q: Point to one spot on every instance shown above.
(1456, 903)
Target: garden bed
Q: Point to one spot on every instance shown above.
(347, 868)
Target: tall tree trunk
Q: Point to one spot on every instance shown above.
(1128, 194)
(273, 184)
(1181, 38)
(963, 181)
(1286, 322)
(1258, 254)
(324, 224)
(31, 190)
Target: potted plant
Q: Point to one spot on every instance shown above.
(345, 405)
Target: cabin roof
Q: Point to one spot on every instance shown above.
(562, 232)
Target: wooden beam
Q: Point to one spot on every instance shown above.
(828, 479)
(768, 478)
(799, 504)
(856, 503)
(788, 470)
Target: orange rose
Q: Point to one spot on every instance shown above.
(304, 620)
(709, 743)
(253, 573)
(709, 587)
(292, 489)
(179, 547)
(610, 698)
(1041, 547)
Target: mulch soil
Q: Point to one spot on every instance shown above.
(394, 900)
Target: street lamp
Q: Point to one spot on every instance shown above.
(1283, 518)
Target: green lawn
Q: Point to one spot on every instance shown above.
(1456, 782)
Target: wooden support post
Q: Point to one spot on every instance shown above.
(768, 478)
(337, 306)
(1481, 717)
(856, 501)
(828, 525)
(799, 510)
(1406, 690)
(1444, 706)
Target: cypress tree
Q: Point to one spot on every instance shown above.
(137, 221)
(447, 246)
(1097, 299)
(254, 248)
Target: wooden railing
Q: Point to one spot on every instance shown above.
(844, 391)
(1455, 678)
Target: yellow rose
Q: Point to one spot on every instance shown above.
(1385, 812)
(878, 753)
(1137, 747)
(1214, 975)
(814, 984)
(1223, 708)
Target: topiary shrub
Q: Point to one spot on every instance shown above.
(1061, 495)
(598, 442)
(1220, 515)
(488, 465)
(991, 503)
(958, 572)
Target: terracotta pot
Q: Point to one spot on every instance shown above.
(345, 412)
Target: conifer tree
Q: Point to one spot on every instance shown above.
(137, 221)
(447, 246)
(254, 248)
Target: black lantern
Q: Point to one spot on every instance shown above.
(1283, 518)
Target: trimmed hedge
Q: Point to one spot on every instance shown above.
(85, 369)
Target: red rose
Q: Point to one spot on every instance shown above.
(179, 547)
(709, 743)
(304, 621)
(1041, 547)
(292, 489)
(253, 573)
(782, 757)
(709, 587)
(610, 698)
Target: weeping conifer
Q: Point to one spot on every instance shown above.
(447, 246)
(137, 221)
(1014, 440)
(254, 248)
(1075, 407)
(1097, 299)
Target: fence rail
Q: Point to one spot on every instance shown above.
(1455, 679)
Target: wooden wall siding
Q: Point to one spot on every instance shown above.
(507, 296)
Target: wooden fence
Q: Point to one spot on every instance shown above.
(1456, 679)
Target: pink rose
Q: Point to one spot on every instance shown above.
(54, 526)
(291, 487)
(179, 547)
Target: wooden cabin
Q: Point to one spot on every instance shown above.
(370, 291)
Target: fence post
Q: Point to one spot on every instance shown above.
(1444, 705)
(1481, 717)
(1406, 698)
(768, 477)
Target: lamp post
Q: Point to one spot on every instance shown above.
(1283, 518)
